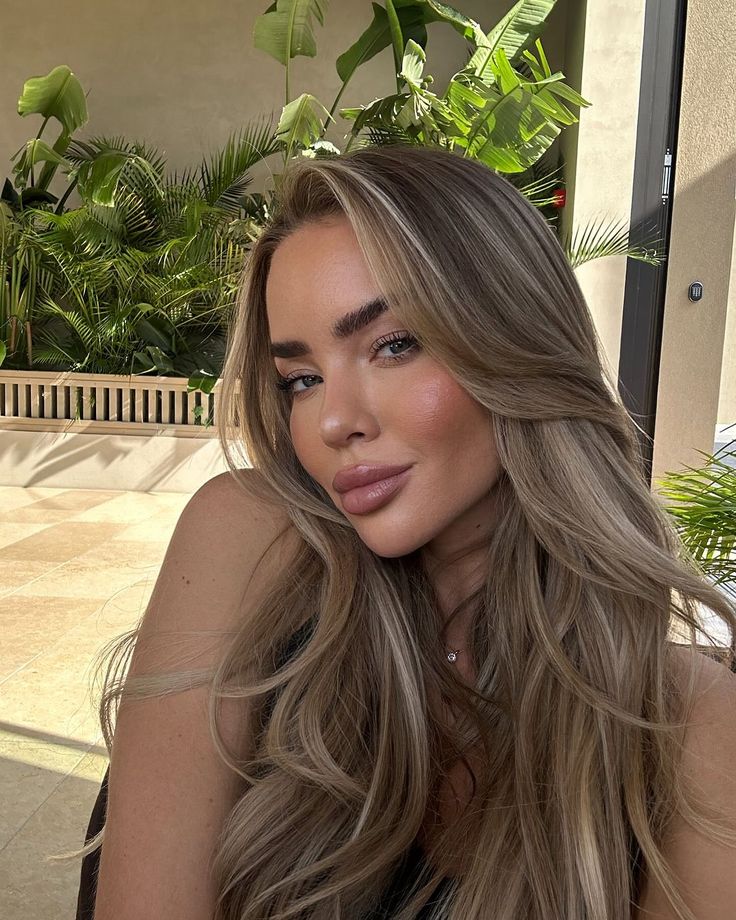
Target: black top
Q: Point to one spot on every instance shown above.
(91, 862)
(397, 892)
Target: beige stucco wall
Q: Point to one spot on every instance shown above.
(604, 54)
(182, 74)
(702, 242)
(697, 383)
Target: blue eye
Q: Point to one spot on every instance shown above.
(287, 383)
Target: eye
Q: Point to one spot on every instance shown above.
(394, 338)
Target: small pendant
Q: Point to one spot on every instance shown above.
(452, 656)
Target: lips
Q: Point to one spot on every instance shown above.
(363, 474)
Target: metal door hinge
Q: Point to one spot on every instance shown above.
(666, 175)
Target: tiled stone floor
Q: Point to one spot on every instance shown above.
(76, 569)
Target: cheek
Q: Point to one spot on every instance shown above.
(452, 433)
(438, 411)
(300, 438)
(308, 445)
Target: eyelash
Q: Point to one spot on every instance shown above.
(286, 383)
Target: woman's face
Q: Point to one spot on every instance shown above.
(393, 406)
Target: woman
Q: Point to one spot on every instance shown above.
(450, 689)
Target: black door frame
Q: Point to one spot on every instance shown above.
(651, 213)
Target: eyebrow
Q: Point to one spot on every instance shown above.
(343, 328)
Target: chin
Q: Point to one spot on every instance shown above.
(389, 545)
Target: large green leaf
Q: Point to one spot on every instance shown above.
(152, 359)
(509, 121)
(511, 134)
(413, 64)
(57, 95)
(412, 15)
(201, 381)
(98, 178)
(378, 36)
(518, 29)
(440, 12)
(285, 29)
(301, 121)
(156, 330)
(34, 151)
(101, 165)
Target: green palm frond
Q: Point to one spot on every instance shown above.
(378, 135)
(86, 151)
(175, 201)
(74, 319)
(702, 502)
(139, 223)
(52, 355)
(83, 282)
(542, 183)
(595, 241)
(224, 177)
(111, 169)
(143, 177)
(84, 230)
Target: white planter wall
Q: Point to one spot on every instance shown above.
(103, 431)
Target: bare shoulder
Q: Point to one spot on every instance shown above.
(247, 485)
(169, 789)
(702, 865)
(230, 540)
(714, 683)
(248, 524)
(710, 737)
(244, 505)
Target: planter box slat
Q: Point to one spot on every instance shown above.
(53, 401)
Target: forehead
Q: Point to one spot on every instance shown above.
(318, 270)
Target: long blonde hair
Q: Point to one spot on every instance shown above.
(576, 706)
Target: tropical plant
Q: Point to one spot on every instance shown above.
(60, 96)
(23, 276)
(702, 502)
(505, 107)
(149, 264)
(139, 278)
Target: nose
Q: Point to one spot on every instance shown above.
(345, 412)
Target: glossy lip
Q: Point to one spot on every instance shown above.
(373, 495)
(363, 474)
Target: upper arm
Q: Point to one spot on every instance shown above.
(705, 871)
(169, 792)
